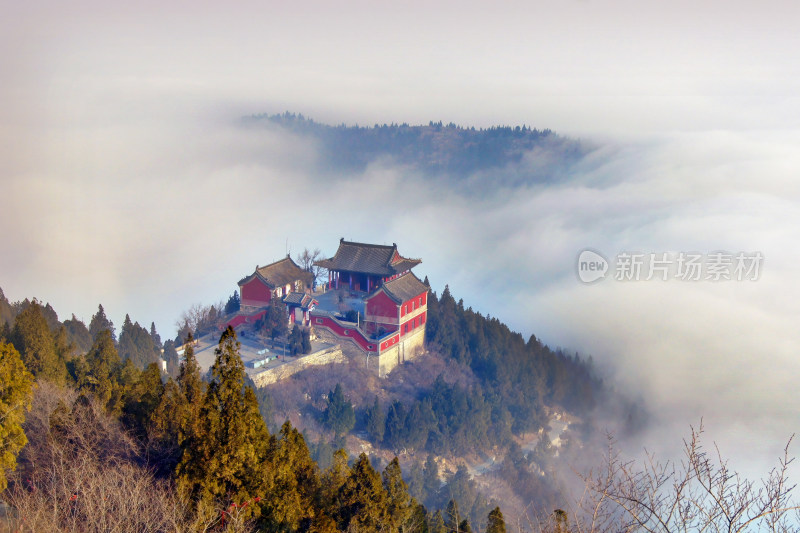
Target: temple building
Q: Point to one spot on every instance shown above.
(372, 301)
(275, 280)
(400, 304)
(363, 267)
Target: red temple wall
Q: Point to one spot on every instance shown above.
(255, 291)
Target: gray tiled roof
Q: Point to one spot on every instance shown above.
(404, 288)
(300, 299)
(280, 273)
(381, 260)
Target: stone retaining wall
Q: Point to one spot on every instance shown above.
(323, 357)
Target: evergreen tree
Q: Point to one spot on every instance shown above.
(332, 481)
(155, 337)
(293, 482)
(398, 507)
(296, 341)
(171, 357)
(275, 323)
(7, 313)
(142, 400)
(233, 305)
(100, 322)
(136, 344)
(363, 500)
(78, 334)
(497, 523)
(436, 523)
(104, 367)
(306, 341)
(431, 480)
(164, 429)
(192, 390)
(16, 385)
(339, 415)
(376, 421)
(32, 338)
(395, 435)
(225, 459)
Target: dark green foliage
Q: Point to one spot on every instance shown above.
(192, 390)
(496, 522)
(437, 149)
(233, 304)
(472, 505)
(34, 341)
(155, 337)
(141, 401)
(293, 482)
(398, 503)
(431, 481)
(306, 341)
(100, 371)
(78, 334)
(436, 523)
(275, 322)
(171, 357)
(296, 341)
(265, 405)
(363, 499)
(100, 322)
(339, 415)
(224, 456)
(7, 312)
(375, 421)
(136, 344)
(519, 377)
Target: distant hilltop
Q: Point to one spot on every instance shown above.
(435, 148)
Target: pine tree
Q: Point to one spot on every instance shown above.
(436, 523)
(306, 341)
(33, 339)
(142, 400)
(293, 482)
(164, 429)
(296, 341)
(226, 457)
(104, 367)
(100, 322)
(376, 421)
(363, 500)
(78, 334)
(339, 415)
(192, 390)
(497, 523)
(398, 508)
(155, 337)
(16, 385)
(332, 481)
(233, 305)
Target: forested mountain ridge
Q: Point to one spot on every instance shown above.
(90, 440)
(119, 375)
(449, 151)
